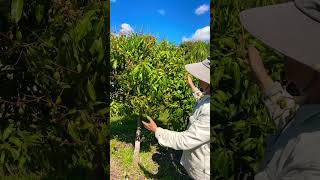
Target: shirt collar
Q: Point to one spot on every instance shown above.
(204, 98)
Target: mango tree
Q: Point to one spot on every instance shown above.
(148, 79)
(145, 82)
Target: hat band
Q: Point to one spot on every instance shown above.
(206, 63)
(310, 8)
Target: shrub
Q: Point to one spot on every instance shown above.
(53, 88)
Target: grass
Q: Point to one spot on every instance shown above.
(156, 162)
(122, 152)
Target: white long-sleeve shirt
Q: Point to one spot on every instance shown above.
(292, 153)
(195, 141)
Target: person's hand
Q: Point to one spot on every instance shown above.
(151, 126)
(258, 69)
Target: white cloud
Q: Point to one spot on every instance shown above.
(113, 1)
(126, 29)
(202, 9)
(162, 12)
(202, 34)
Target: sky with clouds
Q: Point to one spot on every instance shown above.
(173, 20)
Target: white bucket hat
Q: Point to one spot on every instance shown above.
(200, 70)
(292, 28)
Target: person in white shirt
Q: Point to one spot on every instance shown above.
(195, 140)
(292, 28)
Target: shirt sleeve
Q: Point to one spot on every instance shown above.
(280, 104)
(302, 163)
(298, 174)
(197, 94)
(197, 134)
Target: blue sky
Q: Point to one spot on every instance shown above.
(173, 20)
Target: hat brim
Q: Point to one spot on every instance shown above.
(199, 71)
(286, 29)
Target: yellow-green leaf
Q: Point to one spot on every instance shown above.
(16, 10)
(58, 100)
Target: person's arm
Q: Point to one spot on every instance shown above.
(197, 94)
(279, 102)
(257, 67)
(197, 134)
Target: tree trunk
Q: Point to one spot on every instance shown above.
(137, 142)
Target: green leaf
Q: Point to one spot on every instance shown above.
(22, 161)
(91, 91)
(21, 110)
(15, 153)
(94, 47)
(97, 47)
(39, 12)
(79, 68)
(164, 116)
(7, 132)
(103, 111)
(66, 86)
(56, 76)
(15, 141)
(16, 10)
(236, 76)
(58, 100)
(18, 35)
(115, 64)
(72, 130)
(72, 111)
(84, 26)
(3, 156)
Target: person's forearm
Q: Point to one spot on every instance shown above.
(264, 81)
(198, 133)
(185, 140)
(194, 88)
(258, 69)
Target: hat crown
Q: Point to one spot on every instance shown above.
(310, 8)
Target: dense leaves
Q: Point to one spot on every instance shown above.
(150, 76)
(241, 121)
(53, 75)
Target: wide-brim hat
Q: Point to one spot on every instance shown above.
(200, 70)
(291, 28)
